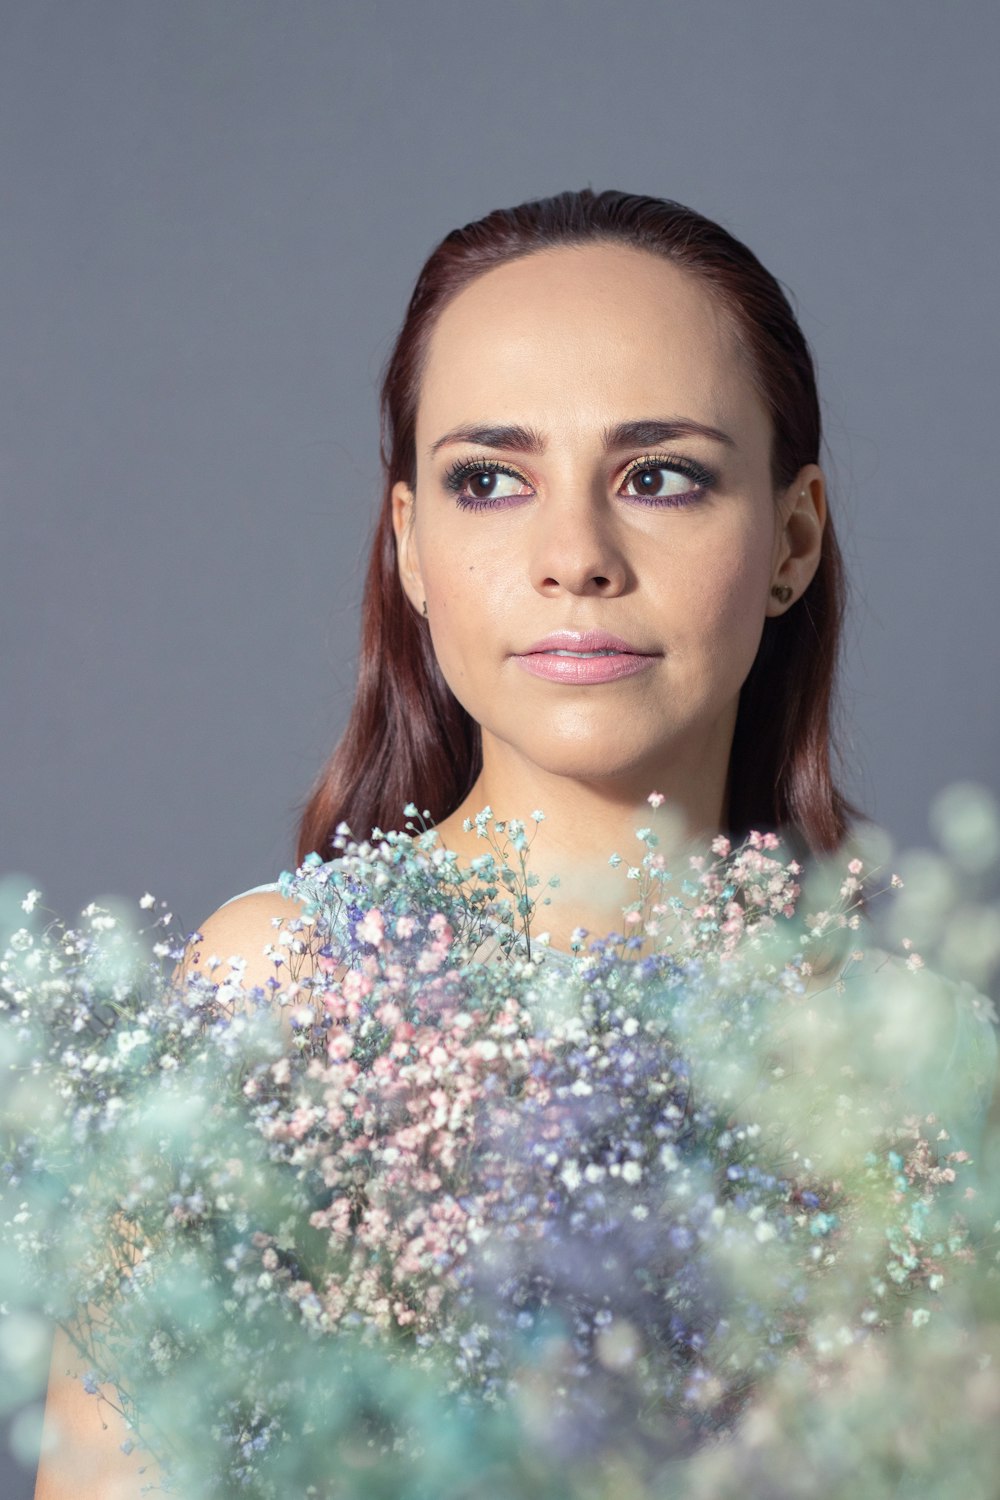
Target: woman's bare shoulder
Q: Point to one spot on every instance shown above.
(251, 929)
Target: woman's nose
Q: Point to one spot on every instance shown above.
(575, 548)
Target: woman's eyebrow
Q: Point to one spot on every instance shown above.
(520, 439)
(646, 433)
(643, 433)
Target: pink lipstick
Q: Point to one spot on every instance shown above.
(583, 657)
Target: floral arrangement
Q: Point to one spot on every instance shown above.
(441, 1211)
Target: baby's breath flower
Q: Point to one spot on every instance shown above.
(405, 1125)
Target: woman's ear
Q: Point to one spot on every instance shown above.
(798, 542)
(403, 501)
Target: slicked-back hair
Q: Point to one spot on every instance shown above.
(408, 738)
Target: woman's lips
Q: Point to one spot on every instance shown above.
(584, 657)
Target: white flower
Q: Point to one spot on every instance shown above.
(632, 1172)
(570, 1175)
(147, 901)
(30, 901)
(129, 1040)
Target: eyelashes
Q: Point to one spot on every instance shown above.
(651, 465)
(702, 479)
(462, 471)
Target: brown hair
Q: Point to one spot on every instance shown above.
(408, 739)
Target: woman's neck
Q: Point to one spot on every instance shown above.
(584, 825)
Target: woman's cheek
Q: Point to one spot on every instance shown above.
(734, 599)
(462, 633)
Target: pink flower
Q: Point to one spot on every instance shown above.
(339, 1048)
(356, 986)
(431, 959)
(371, 928)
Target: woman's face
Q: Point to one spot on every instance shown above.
(593, 478)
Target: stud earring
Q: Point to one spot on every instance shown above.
(782, 592)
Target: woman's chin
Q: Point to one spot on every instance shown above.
(609, 761)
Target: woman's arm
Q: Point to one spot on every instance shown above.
(82, 1457)
(82, 1438)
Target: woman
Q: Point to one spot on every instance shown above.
(604, 566)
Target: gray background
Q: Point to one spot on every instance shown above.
(211, 215)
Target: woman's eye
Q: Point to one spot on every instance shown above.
(493, 486)
(485, 484)
(660, 482)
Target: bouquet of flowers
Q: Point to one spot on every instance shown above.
(443, 1211)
